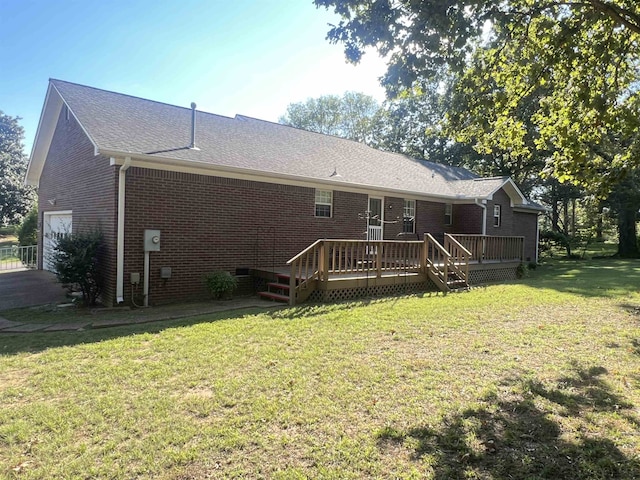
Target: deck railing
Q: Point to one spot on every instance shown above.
(17, 256)
(437, 261)
(326, 258)
(342, 258)
(347, 257)
(486, 248)
(460, 256)
(305, 271)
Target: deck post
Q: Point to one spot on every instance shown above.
(323, 274)
(379, 260)
(292, 284)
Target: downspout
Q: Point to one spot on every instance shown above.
(537, 237)
(120, 239)
(483, 206)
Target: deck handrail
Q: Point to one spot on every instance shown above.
(460, 257)
(306, 250)
(436, 260)
(489, 248)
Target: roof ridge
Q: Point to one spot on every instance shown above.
(362, 144)
(498, 177)
(56, 80)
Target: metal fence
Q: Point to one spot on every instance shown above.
(18, 257)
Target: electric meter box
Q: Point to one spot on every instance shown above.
(152, 240)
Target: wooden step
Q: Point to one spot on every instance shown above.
(274, 296)
(281, 286)
(283, 277)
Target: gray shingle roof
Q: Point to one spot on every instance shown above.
(122, 123)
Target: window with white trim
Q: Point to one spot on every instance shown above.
(448, 214)
(409, 216)
(496, 215)
(324, 203)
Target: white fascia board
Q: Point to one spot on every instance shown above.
(44, 134)
(200, 168)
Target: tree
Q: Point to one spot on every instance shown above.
(554, 76)
(15, 198)
(350, 116)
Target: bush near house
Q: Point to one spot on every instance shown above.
(76, 264)
(221, 284)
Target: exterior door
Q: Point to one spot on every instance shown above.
(374, 229)
(54, 226)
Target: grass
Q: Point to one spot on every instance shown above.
(535, 379)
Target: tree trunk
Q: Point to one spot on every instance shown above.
(627, 235)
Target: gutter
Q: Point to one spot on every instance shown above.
(143, 160)
(122, 176)
(483, 206)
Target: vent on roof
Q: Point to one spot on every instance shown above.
(193, 127)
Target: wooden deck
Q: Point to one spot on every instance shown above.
(333, 269)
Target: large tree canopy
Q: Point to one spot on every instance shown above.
(353, 115)
(574, 61)
(15, 198)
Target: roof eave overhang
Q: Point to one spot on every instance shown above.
(189, 166)
(531, 209)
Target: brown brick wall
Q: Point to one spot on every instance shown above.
(83, 183)
(211, 223)
(513, 223)
(467, 219)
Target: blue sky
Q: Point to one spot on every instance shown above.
(234, 56)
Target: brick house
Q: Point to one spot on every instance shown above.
(236, 193)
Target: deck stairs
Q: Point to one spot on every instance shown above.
(277, 290)
(455, 281)
(447, 266)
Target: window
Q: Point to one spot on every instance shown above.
(324, 203)
(409, 217)
(496, 215)
(448, 214)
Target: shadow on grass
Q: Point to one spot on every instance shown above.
(12, 344)
(603, 277)
(517, 436)
(317, 309)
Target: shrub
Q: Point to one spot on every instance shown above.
(75, 260)
(220, 284)
(521, 271)
(28, 231)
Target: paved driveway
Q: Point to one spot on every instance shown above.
(29, 288)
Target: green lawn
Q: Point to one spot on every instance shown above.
(535, 379)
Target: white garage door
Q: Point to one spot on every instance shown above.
(55, 225)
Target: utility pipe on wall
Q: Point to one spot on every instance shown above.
(120, 234)
(145, 290)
